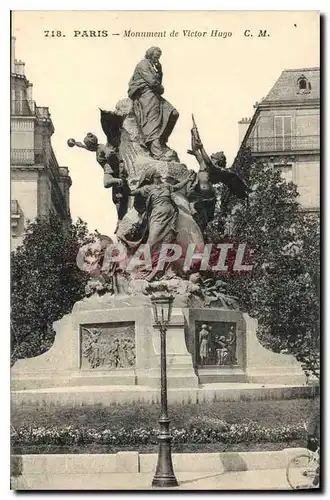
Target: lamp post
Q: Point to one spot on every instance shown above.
(164, 476)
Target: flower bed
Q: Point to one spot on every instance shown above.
(197, 431)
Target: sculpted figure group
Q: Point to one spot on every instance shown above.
(157, 199)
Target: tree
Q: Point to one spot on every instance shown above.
(282, 290)
(45, 282)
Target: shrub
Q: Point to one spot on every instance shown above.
(45, 282)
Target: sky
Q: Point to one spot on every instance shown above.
(216, 78)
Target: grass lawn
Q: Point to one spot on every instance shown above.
(132, 415)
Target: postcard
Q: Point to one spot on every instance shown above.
(165, 250)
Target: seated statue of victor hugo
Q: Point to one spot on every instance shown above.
(155, 116)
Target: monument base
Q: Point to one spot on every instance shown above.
(112, 341)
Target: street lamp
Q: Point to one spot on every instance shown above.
(162, 303)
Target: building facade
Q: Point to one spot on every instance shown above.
(39, 185)
(285, 131)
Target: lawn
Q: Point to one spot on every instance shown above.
(131, 415)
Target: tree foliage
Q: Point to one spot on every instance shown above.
(45, 282)
(282, 290)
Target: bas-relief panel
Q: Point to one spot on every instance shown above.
(107, 346)
(216, 343)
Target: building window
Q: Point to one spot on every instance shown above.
(286, 172)
(15, 216)
(283, 133)
(303, 85)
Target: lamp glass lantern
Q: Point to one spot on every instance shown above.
(162, 306)
(162, 303)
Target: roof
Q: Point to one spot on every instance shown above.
(286, 87)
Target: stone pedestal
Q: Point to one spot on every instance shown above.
(180, 371)
(113, 341)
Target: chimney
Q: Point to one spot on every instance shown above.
(19, 67)
(243, 125)
(13, 40)
(29, 89)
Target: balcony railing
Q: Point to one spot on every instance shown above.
(23, 108)
(27, 157)
(283, 143)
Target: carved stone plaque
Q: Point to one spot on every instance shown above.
(107, 346)
(216, 343)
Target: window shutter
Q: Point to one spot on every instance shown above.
(287, 132)
(282, 129)
(278, 126)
